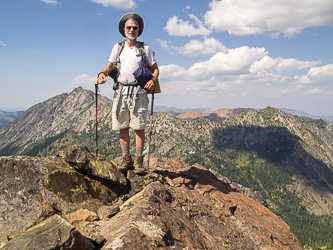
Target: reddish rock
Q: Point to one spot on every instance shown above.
(192, 115)
(222, 114)
(208, 214)
(218, 115)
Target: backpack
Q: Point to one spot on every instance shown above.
(142, 53)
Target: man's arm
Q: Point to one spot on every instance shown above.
(102, 76)
(151, 84)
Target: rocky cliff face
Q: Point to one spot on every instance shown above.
(314, 135)
(77, 201)
(305, 145)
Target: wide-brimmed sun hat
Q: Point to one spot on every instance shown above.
(131, 15)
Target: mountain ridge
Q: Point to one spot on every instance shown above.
(8, 117)
(305, 114)
(188, 113)
(300, 113)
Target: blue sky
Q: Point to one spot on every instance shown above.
(227, 54)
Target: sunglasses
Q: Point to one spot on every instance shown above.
(133, 27)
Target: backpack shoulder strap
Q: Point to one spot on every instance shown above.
(141, 48)
(121, 45)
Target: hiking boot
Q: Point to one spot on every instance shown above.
(126, 163)
(138, 165)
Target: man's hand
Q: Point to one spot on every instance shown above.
(150, 85)
(101, 78)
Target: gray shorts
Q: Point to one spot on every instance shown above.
(124, 115)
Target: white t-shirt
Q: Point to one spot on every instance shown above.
(129, 62)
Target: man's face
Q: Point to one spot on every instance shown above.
(131, 30)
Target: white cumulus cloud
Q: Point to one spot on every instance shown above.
(50, 1)
(117, 4)
(84, 80)
(317, 75)
(279, 64)
(209, 46)
(178, 27)
(287, 91)
(243, 66)
(88, 82)
(171, 71)
(165, 45)
(316, 91)
(249, 17)
(234, 62)
(197, 48)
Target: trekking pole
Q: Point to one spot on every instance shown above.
(151, 122)
(96, 124)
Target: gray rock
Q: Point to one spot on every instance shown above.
(33, 189)
(3, 241)
(105, 212)
(21, 202)
(80, 158)
(53, 233)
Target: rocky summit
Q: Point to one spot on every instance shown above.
(75, 200)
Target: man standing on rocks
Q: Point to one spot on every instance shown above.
(130, 102)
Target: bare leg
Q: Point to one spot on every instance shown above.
(124, 137)
(140, 142)
(126, 160)
(139, 138)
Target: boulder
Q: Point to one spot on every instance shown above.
(53, 233)
(33, 189)
(81, 215)
(105, 212)
(99, 167)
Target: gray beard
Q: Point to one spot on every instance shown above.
(130, 38)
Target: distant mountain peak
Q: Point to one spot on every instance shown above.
(218, 115)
